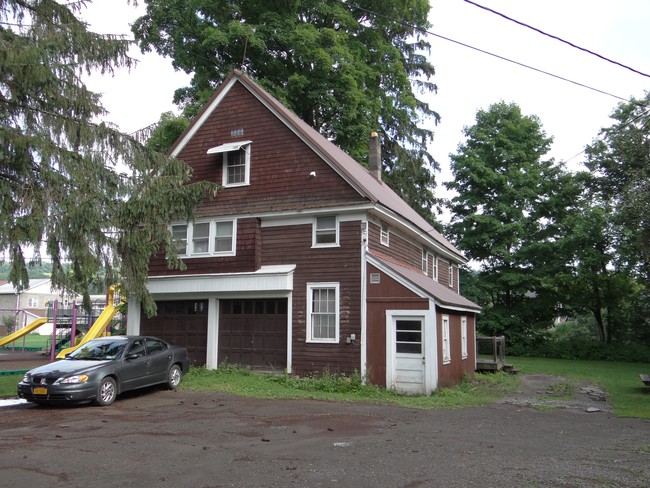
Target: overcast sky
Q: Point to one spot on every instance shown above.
(467, 80)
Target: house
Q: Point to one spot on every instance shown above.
(20, 307)
(305, 261)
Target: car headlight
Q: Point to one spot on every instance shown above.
(73, 380)
(27, 378)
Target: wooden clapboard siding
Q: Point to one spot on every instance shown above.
(293, 245)
(248, 255)
(452, 373)
(280, 163)
(399, 248)
(388, 294)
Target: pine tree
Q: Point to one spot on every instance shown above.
(94, 196)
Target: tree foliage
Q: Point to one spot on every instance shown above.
(97, 198)
(346, 68)
(506, 216)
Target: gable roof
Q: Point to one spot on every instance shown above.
(378, 192)
(443, 295)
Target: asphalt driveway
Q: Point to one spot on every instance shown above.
(158, 438)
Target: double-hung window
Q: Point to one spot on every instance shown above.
(323, 312)
(434, 260)
(451, 275)
(207, 238)
(236, 162)
(446, 346)
(384, 238)
(326, 231)
(463, 337)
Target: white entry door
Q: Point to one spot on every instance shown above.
(409, 355)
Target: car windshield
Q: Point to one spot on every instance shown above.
(99, 350)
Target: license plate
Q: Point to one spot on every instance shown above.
(40, 391)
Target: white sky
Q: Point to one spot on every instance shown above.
(467, 80)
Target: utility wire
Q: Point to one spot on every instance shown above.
(523, 24)
(503, 58)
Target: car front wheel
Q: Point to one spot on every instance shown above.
(106, 392)
(174, 377)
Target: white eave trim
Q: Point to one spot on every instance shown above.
(230, 146)
(267, 279)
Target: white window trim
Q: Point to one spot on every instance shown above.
(326, 244)
(247, 166)
(310, 288)
(446, 346)
(435, 267)
(463, 337)
(189, 239)
(451, 275)
(425, 262)
(384, 235)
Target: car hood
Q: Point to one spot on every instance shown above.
(68, 366)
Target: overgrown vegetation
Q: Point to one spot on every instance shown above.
(480, 390)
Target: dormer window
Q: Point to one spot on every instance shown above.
(236, 162)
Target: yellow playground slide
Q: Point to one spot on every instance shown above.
(98, 328)
(23, 332)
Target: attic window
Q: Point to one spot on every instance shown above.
(236, 162)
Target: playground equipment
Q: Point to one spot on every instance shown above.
(65, 322)
(99, 327)
(22, 332)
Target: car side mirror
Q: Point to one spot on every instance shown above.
(131, 356)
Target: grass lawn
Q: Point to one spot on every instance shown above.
(628, 395)
(31, 341)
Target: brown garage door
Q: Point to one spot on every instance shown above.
(253, 333)
(182, 322)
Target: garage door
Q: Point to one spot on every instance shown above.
(253, 333)
(183, 323)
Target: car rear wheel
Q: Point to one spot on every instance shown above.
(174, 377)
(106, 392)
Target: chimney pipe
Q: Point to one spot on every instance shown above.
(374, 155)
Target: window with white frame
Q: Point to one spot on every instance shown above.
(32, 302)
(425, 261)
(236, 167)
(201, 238)
(384, 235)
(179, 235)
(434, 263)
(451, 275)
(223, 236)
(323, 312)
(208, 238)
(236, 162)
(326, 231)
(463, 337)
(446, 347)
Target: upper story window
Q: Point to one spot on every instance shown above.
(326, 231)
(210, 238)
(425, 261)
(385, 235)
(434, 262)
(236, 162)
(451, 275)
(32, 302)
(322, 312)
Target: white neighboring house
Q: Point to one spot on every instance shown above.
(23, 307)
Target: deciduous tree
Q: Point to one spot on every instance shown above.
(346, 68)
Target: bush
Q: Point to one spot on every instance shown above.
(584, 348)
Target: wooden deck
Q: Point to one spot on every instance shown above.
(496, 361)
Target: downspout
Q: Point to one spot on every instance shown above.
(364, 298)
